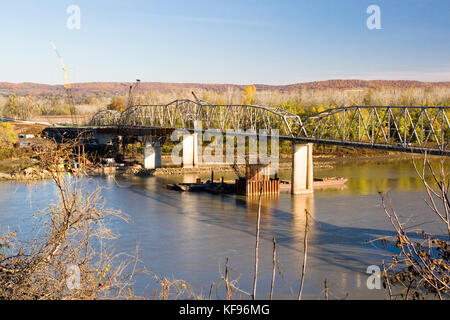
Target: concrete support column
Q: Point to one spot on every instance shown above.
(302, 168)
(190, 150)
(152, 155)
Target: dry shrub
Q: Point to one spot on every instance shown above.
(71, 235)
(421, 269)
(173, 289)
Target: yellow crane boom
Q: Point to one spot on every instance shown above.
(67, 84)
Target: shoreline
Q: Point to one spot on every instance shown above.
(35, 173)
(320, 162)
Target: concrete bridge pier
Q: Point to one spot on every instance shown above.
(190, 150)
(152, 155)
(302, 168)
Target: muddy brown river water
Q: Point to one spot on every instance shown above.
(189, 235)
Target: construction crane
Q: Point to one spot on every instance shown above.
(67, 84)
(131, 92)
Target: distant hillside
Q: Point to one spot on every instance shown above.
(111, 88)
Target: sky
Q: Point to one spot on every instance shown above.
(215, 41)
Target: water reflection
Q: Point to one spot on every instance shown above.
(300, 204)
(252, 203)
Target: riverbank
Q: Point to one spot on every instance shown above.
(27, 169)
(320, 162)
(28, 174)
(22, 169)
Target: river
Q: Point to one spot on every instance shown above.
(188, 236)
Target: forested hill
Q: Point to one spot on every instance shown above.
(111, 88)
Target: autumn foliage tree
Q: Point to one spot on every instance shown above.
(8, 138)
(118, 103)
(249, 92)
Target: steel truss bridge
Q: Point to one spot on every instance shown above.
(406, 129)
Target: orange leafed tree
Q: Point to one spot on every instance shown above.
(118, 103)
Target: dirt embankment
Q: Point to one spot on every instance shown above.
(28, 174)
(23, 168)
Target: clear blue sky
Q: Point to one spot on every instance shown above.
(212, 41)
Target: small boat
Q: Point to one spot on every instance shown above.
(178, 187)
(214, 188)
(326, 182)
(220, 188)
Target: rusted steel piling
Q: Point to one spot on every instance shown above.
(257, 179)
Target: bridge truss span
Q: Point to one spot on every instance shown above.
(183, 114)
(408, 129)
(415, 129)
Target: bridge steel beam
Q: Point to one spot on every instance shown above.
(302, 168)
